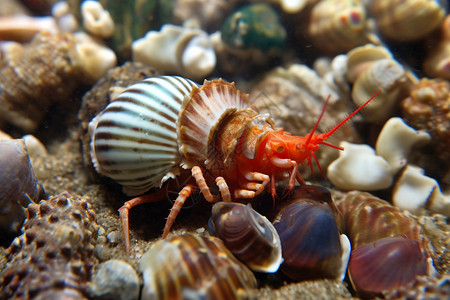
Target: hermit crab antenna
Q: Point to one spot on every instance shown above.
(346, 119)
(318, 121)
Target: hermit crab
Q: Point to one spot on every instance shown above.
(161, 125)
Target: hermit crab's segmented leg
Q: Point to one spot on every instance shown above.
(223, 188)
(123, 212)
(204, 188)
(177, 205)
(288, 163)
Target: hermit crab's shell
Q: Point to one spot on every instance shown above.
(202, 112)
(134, 140)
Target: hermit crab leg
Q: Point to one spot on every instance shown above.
(123, 212)
(178, 204)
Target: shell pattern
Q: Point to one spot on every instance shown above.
(194, 267)
(54, 256)
(134, 140)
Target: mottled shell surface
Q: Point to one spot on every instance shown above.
(337, 26)
(309, 237)
(200, 115)
(134, 140)
(54, 256)
(368, 219)
(194, 267)
(248, 235)
(19, 185)
(407, 20)
(386, 265)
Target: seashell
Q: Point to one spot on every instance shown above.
(54, 256)
(200, 117)
(395, 141)
(19, 187)
(336, 26)
(386, 75)
(436, 63)
(358, 167)
(294, 6)
(137, 132)
(309, 236)
(369, 219)
(360, 58)
(414, 190)
(175, 49)
(193, 267)
(427, 108)
(97, 20)
(254, 26)
(22, 28)
(386, 265)
(407, 20)
(248, 235)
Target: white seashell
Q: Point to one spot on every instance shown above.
(360, 58)
(134, 140)
(386, 75)
(395, 141)
(359, 168)
(96, 19)
(176, 49)
(415, 190)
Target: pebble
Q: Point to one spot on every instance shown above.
(115, 279)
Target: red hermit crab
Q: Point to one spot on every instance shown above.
(162, 124)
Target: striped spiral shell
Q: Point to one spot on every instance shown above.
(134, 139)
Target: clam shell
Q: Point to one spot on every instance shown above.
(202, 110)
(386, 265)
(310, 239)
(248, 235)
(134, 139)
(194, 267)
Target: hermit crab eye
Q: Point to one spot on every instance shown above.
(280, 149)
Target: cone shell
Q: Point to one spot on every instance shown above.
(309, 237)
(248, 235)
(407, 20)
(200, 115)
(134, 140)
(386, 265)
(194, 267)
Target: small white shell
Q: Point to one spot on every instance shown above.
(134, 140)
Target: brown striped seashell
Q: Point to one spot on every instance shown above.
(248, 235)
(408, 20)
(194, 267)
(368, 219)
(336, 26)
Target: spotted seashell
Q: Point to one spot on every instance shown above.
(309, 236)
(19, 185)
(386, 265)
(407, 20)
(194, 267)
(248, 235)
(337, 26)
(134, 139)
(54, 256)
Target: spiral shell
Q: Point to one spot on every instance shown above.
(248, 235)
(337, 26)
(194, 267)
(54, 257)
(407, 20)
(134, 140)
